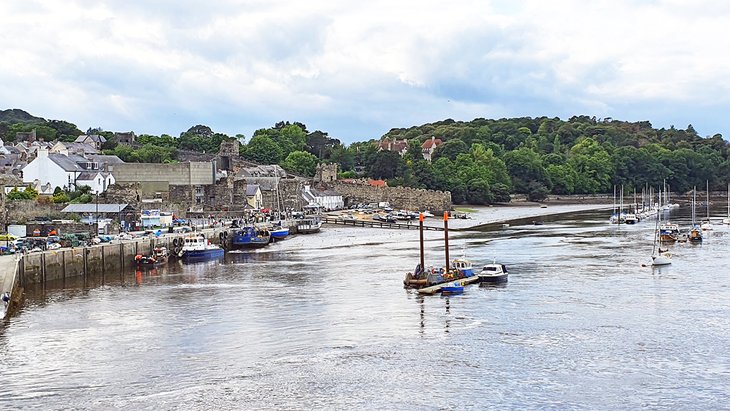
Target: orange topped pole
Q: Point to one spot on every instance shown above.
(420, 228)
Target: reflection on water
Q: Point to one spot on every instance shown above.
(323, 322)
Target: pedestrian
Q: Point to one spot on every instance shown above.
(6, 298)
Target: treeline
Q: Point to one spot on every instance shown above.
(480, 161)
(483, 161)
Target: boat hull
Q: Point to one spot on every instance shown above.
(280, 234)
(202, 255)
(660, 260)
(493, 279)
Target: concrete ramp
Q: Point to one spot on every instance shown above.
(8, 270)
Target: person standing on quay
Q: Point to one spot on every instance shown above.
(6, 298)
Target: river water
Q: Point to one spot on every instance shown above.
(322, 322)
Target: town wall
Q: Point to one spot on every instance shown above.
(398, 197)
(196, 173)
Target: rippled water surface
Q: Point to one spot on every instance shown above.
(322, 322)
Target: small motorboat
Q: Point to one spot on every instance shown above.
(493, 273)
(159, 256)
(279, 233)
(454, 287)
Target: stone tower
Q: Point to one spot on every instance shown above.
(326, 173)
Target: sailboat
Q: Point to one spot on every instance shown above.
(706, 226)
(695, 232)
(659, 256)
(726, 220)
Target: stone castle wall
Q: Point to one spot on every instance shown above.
(398, 197)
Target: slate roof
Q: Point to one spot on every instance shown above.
(251, 189)
(68, 163)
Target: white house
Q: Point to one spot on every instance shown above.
(326, 199)
(69, 171)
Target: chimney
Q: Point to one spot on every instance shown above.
(42, 152)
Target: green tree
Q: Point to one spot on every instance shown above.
(387, 165)
(451, 149)
(263, 150)
(301, 163)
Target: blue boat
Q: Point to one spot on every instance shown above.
(198, 248)
(250, 237)
(455, 287)
(279, 233)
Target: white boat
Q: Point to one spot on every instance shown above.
(493, 273)
(630, 218)
(309, 225)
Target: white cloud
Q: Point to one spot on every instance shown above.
(356, 69)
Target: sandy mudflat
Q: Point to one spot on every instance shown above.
(499, 214)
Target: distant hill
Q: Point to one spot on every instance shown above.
(16, 115)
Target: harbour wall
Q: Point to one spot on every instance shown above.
(398, 197)
(97, 260)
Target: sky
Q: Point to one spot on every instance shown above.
(356, 69)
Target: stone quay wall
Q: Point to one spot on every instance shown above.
(94, 261)
(398, 197)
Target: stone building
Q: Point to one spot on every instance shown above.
(325, 173)
(126, 139)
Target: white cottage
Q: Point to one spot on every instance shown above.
(69, 171)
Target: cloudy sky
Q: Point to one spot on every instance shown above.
(355, 69)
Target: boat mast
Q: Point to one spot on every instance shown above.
(420, 228)
(446, 239)
(708, 201)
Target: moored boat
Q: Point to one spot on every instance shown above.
(198, 248)
(309, 225)
(158, 257)
(250, 237)
(493, 273)
(454, 287)
(668, 233)
(463, 266)
(431, 280)
(279, 232)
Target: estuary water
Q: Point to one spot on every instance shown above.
(322, 322)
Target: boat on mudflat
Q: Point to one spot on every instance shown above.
(250, 237)
(198, 248)
(279, 232)
(309, 225)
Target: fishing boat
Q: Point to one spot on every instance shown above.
(463, 266)
(158, 257)
(493, 273)
(198, 248)
(429, 280)
(250, 237)
(309, 225)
